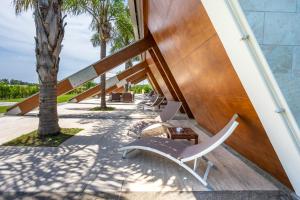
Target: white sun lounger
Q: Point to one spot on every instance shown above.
(180, 152)
(156, 103)
(168, 112)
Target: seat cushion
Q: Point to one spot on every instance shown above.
(167, 146)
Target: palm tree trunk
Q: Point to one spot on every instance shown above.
(128, 64)
(49, 35)
(48, 119)
(103, 76)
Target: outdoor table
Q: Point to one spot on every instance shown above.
(185, 133)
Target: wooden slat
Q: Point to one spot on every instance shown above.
(151, 84)
(118, 90)
(161, 71)
(169, 79)
(138, 80)
(132, 70)
(138, 75)
(123, 55)
(154, 82)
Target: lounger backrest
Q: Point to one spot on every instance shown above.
(169, 111)
(158, 101)
(151, 93)
(196, 151)
(153, 98)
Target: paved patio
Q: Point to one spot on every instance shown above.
(89, 165)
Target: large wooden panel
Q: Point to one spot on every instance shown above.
(205, 76)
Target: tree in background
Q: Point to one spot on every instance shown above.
(49, 24)
(104, 14)
(122, 34)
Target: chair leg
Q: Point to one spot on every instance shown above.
(124, 154)
(209, 166)
(195, 174)
(127, 151)
(195, 164)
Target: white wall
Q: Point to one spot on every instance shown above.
(257, 79)
(276, 25)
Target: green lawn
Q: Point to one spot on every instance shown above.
(32, 139)
(65, 98)
(12, 100)
(3, 109)
(60, 99)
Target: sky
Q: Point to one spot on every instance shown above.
(17, 58)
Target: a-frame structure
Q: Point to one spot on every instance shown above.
(87, 74)
(204, 54)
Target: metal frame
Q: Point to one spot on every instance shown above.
(200, 178)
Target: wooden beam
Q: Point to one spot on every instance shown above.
(118, 90)
(117, 81)
(162, 72)
(132, 70)
(153, 81)
(86, 74)
(138, 75)
(168, 77)
(138, 80)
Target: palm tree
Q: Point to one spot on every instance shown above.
(122, 34)
(103, 13)
(49, 24)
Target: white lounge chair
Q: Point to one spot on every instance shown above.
(180, 152)
(155, 126)
(156, 103)
(168, 112)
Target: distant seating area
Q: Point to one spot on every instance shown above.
(151, 102)
(122, 97)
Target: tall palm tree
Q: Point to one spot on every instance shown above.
(103, 13)
(49, 23)
(122, 34)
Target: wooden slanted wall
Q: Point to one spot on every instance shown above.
(206, 78)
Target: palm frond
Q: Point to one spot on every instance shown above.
(23, 5)
(95, 40)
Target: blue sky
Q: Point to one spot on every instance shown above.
(17, 59)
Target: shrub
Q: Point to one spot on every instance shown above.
(138, 89)
(17, 91)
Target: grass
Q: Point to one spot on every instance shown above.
(12, 100)
(65, 98)
(31, 139)
(103, 109)
(3, 109)
(60, 99)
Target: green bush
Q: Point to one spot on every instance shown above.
(8, 91)
(17, 91)
(138, 89)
